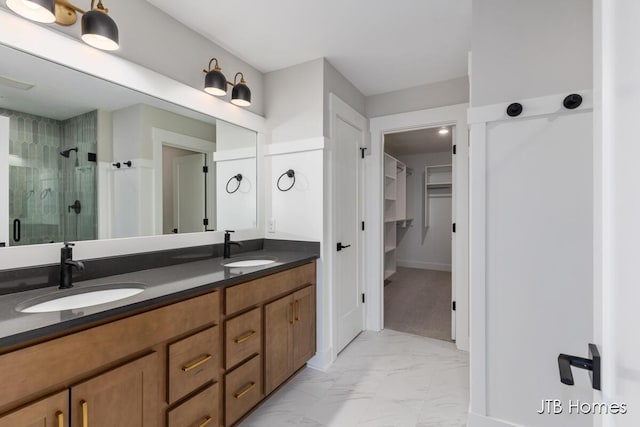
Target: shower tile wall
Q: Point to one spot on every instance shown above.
(34, 144)
(80, 181)
(37, 171)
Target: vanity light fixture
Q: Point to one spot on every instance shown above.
(443, 131)
(35, 10)
(216, 84)
(98, 28)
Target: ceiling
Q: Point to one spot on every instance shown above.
(380, 46)
(420, 141)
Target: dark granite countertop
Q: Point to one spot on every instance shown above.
(161, 286)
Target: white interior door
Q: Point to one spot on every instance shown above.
(617, 207)
(347, 226)
(189, 193)
(4, 180)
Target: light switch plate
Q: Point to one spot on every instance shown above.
(272, 226)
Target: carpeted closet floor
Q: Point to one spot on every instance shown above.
(418, 302)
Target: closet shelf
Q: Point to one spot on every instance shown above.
(436, 185)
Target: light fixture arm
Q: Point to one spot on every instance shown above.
(100, 7)
(241, 78)
(215, 68)
(69, 5)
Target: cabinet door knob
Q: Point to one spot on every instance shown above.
(292, 321)
(60, 417)
(246, 390)
(205, 421)
(194, 365)
(297, 310)
(85, 413)
(244, 338)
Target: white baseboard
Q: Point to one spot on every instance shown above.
(321, 361)
(475, 420)
(424, 265)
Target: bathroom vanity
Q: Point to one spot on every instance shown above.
(203, 344)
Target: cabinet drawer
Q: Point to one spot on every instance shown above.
(200, 410)
(243, 337)
(193, 361)
(257, 291)
(243, 390)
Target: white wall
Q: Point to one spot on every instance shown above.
(449, 92)
(419, 247)
(155, 40)
(531, 242)
(525, 49)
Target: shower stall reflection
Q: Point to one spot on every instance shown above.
(52, 183)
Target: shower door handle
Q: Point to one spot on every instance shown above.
(16, 230)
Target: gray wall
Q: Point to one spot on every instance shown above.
(523, 49)
(294, 101)
(153, 39)
(420, 247)
(336, 83)
(449, 92)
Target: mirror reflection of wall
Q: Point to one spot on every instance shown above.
(66, 134)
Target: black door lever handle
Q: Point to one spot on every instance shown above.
(341, 247)
(565, 362)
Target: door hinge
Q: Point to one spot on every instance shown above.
(205, 221)
(205, 169)
(363, 298)
(454, 227)
(454, 148)
(453, 306)
(362, 225)
(362, 152)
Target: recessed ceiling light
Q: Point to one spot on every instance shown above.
(443, 131)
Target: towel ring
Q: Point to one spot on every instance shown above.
(236, 177)
(291, 174)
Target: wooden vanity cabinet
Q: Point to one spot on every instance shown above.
(289, 335)
(52, 411)
(126, 396)
(183, 364)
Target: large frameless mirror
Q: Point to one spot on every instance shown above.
(84, 159)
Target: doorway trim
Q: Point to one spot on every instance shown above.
(450, 115)
(160, 137)
(340, 109)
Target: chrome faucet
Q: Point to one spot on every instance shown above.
(228, 243)
(67, 264)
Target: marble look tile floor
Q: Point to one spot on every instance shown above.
(382, 379)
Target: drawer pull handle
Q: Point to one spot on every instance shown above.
(297, 310)
(247, 389)
(206, 421)
(60, 417)
(292, 321)
(85, 413)
(194, 365)
(244, 338)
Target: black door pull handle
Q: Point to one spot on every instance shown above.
(565, 362)
(16, 230)
(340, 246)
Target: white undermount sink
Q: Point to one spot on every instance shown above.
(249, 263)
(82, 299)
